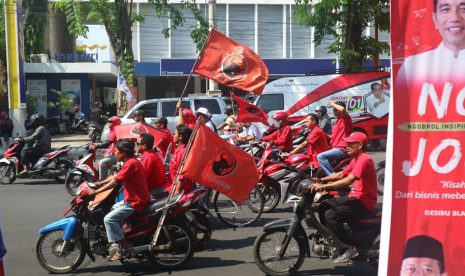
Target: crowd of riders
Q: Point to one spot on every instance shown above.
(145, 179)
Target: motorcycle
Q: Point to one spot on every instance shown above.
(73, 126)
(380, 166)
(95, 132)
(52, 165)
(283, 245)
(53, 124)
(277, 171)
(63, 245)
(85, 170)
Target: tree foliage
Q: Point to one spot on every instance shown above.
(346, 21)
(118, 17)
(62, 103)
(34, 20)
(2, 40)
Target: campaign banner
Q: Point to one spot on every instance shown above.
(424, 209)
(38, 90)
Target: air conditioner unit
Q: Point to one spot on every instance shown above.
(39, 58)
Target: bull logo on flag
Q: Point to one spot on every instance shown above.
(138, 130)
(224, 163)
(234, 66)
(252, 109)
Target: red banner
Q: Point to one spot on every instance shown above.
(425, 226)
(214, 163)
(135, 130)
(232, 64)
(249, 112)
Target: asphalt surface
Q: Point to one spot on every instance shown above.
(28, 205)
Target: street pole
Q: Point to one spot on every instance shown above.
(212, 85)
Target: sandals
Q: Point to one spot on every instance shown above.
(122, 254)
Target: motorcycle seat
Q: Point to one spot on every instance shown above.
(155, 205)
(375, 213)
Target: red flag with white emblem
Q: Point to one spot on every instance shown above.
(214, 163)
(249, 112)
(232, 64)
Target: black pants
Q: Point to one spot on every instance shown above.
(334, 212)
(31, 155)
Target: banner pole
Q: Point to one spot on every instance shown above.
(232, 99)
(193, 67)
(173, 187)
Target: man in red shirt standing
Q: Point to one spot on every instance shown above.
(162, 124)
(136, 195)
(360, 201)
(281, 138)
(316, 141)
(342, 129)
(153, 166)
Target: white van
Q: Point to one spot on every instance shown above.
(299, 96)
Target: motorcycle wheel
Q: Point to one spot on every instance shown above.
(239, 214)
(72, 182)
(69, 129)
(184, 246)
(265, 253)
(54, 128)
(48, 248)
(380, 178)
(203, 236)
(7, 173)
(272, 196)
(63, 166)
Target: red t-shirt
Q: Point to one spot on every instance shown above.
(111, 149)
(163, 145)
(133, 178)
(316, 144)
(282, 138)
(342, 129)
(154, 170)
(365, 188)
(174, 166)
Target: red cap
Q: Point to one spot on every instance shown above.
(357, 137)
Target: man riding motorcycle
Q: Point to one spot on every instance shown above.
(360, 201)
(42, 145)
(229, 126)
(97, 115)
(325, 121)
(109, 159)
(281, 138)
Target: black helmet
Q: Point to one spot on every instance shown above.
(98, 104)
(38, 119)
(321, 111)
(228, 109)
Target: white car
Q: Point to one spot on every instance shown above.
(166, 107)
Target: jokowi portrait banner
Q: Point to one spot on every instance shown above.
(424, 209)
(214, 163)
(232, 64)
(249, 112)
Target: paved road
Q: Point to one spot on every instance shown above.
(27, 206)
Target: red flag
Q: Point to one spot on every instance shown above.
(135, 130)
(250, 113)
(214, 163)
(232, 64)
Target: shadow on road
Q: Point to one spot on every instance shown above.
(218, 244)
(356, 270)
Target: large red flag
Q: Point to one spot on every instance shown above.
(250, 113)
(232, 64)
(214, 163)
(136, 129)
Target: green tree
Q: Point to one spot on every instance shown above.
(62, 103)
(346, 20)
(35, 20)
(31, 103)
(118, 17)
(3, 87)
(2, 40)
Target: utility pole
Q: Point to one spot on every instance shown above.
(212, 85)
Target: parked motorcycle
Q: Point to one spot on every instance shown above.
(95, 132)
(63, 245)
(53, 124)
(380, 166)
(52, 165)
(85, 170)
(283, 245)
(72, 124)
